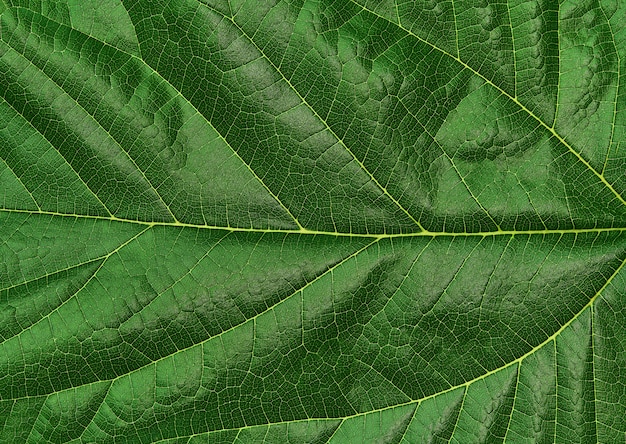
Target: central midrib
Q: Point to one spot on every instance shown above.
(307, 232)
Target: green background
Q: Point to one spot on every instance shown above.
(312, 221)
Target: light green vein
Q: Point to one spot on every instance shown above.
(109, 135)
(330, 438)
(445, 288)
(19, 179)
(327, 233)
(458, 416)
(451, 160)
(408, 424)
(558, 77)
(404, 278)
(531, 351)
(619, 62)
(508, 14)
(395, 4)
(532, 204)
(53, 273)
(465, 385)
(306, 103)
(385, 378)
(556, 391)
(106, 393)
(93, 275)
(593, 372)
(64, 159)
(180, 94)
(508, 428)
(456, 28)
(512, 98)
(32, 429)
(251, 319)
(183, 276)
(493, 272)
(240, 429)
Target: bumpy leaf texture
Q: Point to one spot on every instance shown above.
(244, 221)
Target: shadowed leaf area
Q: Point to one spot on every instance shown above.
(312, 221)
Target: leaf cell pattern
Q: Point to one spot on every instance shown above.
(321, 221)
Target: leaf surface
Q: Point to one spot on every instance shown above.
(312, 221)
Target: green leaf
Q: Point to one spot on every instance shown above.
(235, 221)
